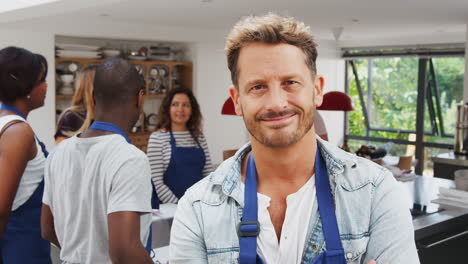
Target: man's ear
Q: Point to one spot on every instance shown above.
(234, 92)
(319, 83)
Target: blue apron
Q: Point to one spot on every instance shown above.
(249, 227)
(104, 126)
(22, 241)
(185, 167)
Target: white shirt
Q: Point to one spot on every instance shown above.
(85, 180)
(33, 172)
(294, 231)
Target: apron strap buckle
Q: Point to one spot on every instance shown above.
(248, 229)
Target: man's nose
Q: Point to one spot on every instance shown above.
(277, 99)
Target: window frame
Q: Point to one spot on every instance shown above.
(428, 93)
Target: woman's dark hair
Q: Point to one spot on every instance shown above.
(20, 70)
(193, 124)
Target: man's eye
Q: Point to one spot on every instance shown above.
(290, 82)
(258, 87)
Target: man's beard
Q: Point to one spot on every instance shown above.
(280, 139)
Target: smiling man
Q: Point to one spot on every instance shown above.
(288, 196)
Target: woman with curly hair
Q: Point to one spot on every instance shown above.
(177, 151)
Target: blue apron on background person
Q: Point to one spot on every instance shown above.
(185, 167)
(249, 227)
(22, 240)
(104, 126)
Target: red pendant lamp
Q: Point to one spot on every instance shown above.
(228, 107)
(336, 101)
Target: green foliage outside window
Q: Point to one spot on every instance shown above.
(394, 95)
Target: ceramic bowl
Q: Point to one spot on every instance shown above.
(66, 78)
(461, 180)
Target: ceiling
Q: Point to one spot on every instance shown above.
(360, 19)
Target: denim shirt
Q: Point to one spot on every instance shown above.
(373, 219)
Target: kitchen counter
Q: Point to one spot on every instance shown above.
(451, 159)
(440, 222)
(446, 164)
(429, 218)
(441, 233)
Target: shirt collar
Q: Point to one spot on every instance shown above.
(228, 174)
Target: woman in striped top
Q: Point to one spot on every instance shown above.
(177, 151)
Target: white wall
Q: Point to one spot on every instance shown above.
(43, 119)
(331, 66)
(213, 81)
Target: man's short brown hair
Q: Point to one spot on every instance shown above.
(272, 29)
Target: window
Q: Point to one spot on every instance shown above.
(406, 96)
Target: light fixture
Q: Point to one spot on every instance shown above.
(336, 101)
(337, 31)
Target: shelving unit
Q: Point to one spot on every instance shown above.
(184, 79)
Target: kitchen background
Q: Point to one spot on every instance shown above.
(188, 24)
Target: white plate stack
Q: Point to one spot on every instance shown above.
(77, 51)
(161, 53)
(452, 198)
(110, 53)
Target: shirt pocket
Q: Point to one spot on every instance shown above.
(354, 249)
(223, 255)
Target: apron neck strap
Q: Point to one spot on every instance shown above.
(12, 109)
(172, 137)
(249, 227)
(15, 110)
(109, 127)
(326, 204)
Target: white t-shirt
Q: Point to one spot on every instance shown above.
(294, 230)
(85, 180)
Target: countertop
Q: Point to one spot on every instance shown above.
(451, 159)
(436, 219)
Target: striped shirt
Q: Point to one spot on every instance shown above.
(159, 155)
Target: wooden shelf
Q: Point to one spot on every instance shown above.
(80, 60)
(185, 79)
(145, 62)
